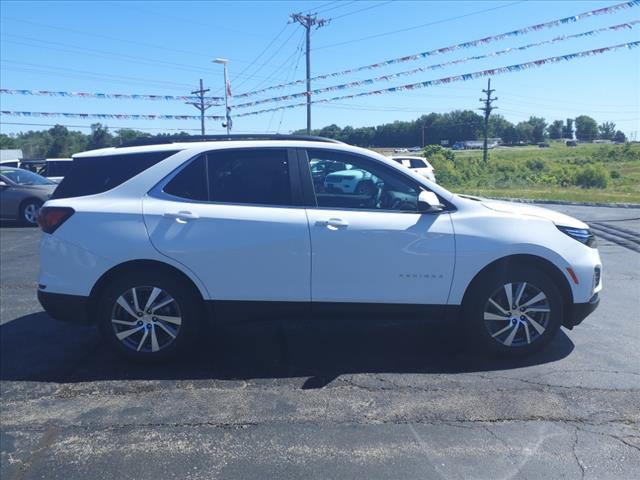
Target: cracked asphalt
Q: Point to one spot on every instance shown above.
(296, 399)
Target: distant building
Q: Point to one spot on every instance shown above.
(8, 155)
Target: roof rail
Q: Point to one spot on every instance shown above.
(141, 141)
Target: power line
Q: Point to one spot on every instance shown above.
(115, 56)
(92, 75)
(463, 45)
(322, 8)
(261, 53)
(437, 66)
(402, 30)
(107, 37)
(288, 60)
(379, 4)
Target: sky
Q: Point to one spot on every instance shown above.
(165, 47)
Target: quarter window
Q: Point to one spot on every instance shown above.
(191, 182)
(349, 181)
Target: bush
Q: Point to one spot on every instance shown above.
(431, 151)
(536, 165)
(615, 174)
(592, 176)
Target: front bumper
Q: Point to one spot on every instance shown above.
(67, 308)
(580, 311)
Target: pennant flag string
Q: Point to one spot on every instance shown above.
(116, 96)
(472, 43)
(413, 86)
(437, 66)
(459, 78)
(102, 116)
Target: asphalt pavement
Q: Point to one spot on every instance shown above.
(379, 399)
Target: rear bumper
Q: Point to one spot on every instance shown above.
(580, 311)
(67, 308)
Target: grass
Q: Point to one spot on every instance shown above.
(555, 173)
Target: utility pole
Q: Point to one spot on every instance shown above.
(308, 21)
(487, 108)
(200, 105)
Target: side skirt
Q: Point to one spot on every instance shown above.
(240, 311)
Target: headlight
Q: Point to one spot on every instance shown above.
(583, 235)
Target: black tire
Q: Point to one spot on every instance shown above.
(26, 209)
(187, 306)
(481, 331)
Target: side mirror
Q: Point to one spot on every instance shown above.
(428, 203)
(3, 184)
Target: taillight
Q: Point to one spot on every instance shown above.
(50, 218)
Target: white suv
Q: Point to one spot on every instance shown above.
(149, 241)
(418, 165)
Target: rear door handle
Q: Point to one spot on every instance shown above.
(333, 223)
(182, 216)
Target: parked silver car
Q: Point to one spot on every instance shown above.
(22, 193)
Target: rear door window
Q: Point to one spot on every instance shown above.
(417, 163)
(92, 175)
(253, 176)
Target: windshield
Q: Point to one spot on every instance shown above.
(24, 177)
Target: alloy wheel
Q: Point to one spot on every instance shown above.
(517, 314)
(146, 319)
(31, 213)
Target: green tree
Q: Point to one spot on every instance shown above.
(607, 130)
(538, 131)
(59, 146)
(99, 137)
(510, 135)
(586, 128)
(7, 142)
(525, 132)
(331, 131)
(555, 129)
(567, 130)
(124, 135)
(619, 137)
(497, 126)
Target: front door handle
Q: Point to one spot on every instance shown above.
(333, 223)
(182, 216)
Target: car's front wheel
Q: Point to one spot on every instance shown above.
(148, 316)
(515, 312)
(29, 211)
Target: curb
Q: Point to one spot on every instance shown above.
(560, 202)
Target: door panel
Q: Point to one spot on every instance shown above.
(369, 242)
(229, 216)
(381, 257)
(10, 198)
(238, 252)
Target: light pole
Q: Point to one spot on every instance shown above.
(227, 94)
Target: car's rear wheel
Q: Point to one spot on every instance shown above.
(148, 316)
(29, 211)
(515, 312)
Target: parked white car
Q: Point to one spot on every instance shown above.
(151, 241)
(54, 169)
(418, 165)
